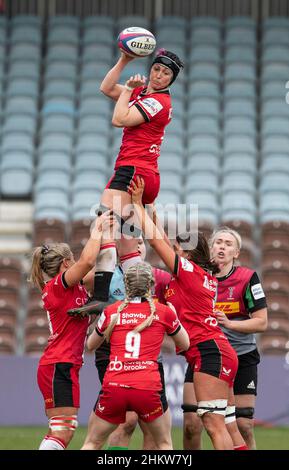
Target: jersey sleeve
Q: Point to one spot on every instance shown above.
(182, 267)
(150, 107)
(254, 296)
(173, 325)
(102, 323)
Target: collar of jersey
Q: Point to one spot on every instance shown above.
(232, 270)
(165, 90)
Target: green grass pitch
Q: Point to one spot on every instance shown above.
(24, 438)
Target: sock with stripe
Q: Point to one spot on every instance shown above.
(52, 443)
(129, 260)
(243, 447)
(105, 266)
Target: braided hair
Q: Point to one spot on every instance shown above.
(46, 260)
(138, 280)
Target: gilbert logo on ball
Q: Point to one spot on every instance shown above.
(136, 42)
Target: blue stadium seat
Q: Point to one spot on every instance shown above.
(89, 88)
(275, 71)
(89, 179)
(275, 53)
(26, 34)
(94, 70)
(204, 88)
(239, 89)
(203, 162)
(204, 71)
(240, 180)
(62, 35)
(275, 181)
(20, 123)
(204, 143)
(56, 142)
(276, 36)
(173, 143)
(237, 53)
(54, 123)
(95, 106)
(60, 105)
(239, 161)
(98, 21)
(97, 52)
(205, 53)
(239, 107)
(126, 21)
(244, 71)
(165, 34)
(27, 51)
(275, 143)
(64, 20)
(203, 125)
(171, 20)
(275, 107)
(239, 125)
(21, 105)
(17, 141)
(61, 70)
(91, 162)
(62, 52)
(274, 163)
(207, 205)
(54, 161)
(59, 87)
(52, 179)
(275, 126)
(52, 203)
(92, 143)
(238, 205)
(240, 143)
(97, 35)
(205, 34)
(240, 35)
(24, 69)
(22, 87)
(274, 205)
(272, 89)
(172, 179)
(202, 181)
(168, 161)
(97, 124)
(85, 203)
(26, 20)
(240, 21)
(204, 107)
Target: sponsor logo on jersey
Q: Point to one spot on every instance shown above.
(228, 307)
(257, 291)
(152, 106)
(115, 365)
(169, 292)
(186, 265)
(226, 371)
(117, 292)
(251, 385)
(212, 321)
(100, 408)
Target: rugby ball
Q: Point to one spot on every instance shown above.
(136, 42)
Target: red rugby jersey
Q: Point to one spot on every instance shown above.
(140, 145)
(133, 356)
(162, 280)
(67, 334)
(192, 292)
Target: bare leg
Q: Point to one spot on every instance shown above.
(97, 433)
(246, 425)
(148, 440)
(192, 424)
(122, 435)
(161, 433)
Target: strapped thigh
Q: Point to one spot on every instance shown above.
(63, 423)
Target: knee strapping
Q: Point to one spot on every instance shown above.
(245, 412)
(189, 408)
(230, 416)
(212, 406)
(63, 423)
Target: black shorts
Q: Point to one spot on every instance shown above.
(101, 369)
(122, 178)
(246, 378)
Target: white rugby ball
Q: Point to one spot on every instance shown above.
(136, 42)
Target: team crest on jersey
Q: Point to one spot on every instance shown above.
(186, 265)
(231, 292)
(152, 106)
